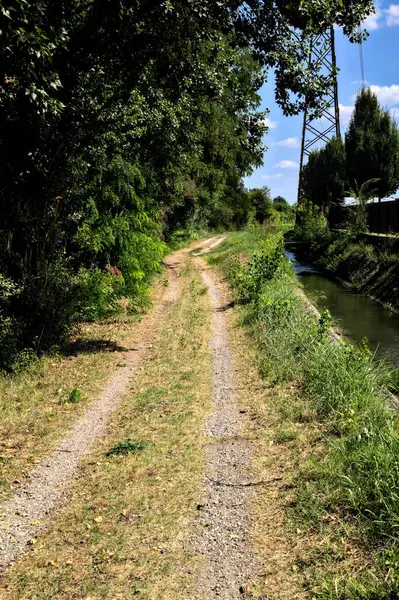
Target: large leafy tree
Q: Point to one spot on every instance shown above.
(280, 204)
(121, 120)
(324, 175)
(261, 201)
(372, 146)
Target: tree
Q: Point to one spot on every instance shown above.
(372, 146)
(280, 204)
(335, 170)
(358, 221)
(260, 200)
(323, 176)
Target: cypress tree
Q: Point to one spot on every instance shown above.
(323, 177)
(372, 146)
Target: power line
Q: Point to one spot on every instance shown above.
(362, 65)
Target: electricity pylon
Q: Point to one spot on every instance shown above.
(326, 125)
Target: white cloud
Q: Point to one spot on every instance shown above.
(287, 164)
(388, 16)
(373, 21)
(388, 95)
(345, 113)
(270, 123)
(291, 142)
(275, 176)
(392, 15)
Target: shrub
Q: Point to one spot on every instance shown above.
(100, 293)
(248, 278)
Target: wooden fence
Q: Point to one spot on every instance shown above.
(383, 217)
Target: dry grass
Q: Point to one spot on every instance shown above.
(34, 412)
(124, 533)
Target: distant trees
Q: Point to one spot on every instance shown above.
(372, 146)
(313, 188)
(280, 204)
(285, 211)
(261, 201)
(257, 204)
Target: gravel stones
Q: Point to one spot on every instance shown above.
(225, 523)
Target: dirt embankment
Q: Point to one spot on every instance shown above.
(367, 276)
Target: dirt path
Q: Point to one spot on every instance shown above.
(23, 516)
(223, 537)
(224, 540)
(210, 244)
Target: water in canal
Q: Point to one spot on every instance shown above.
(357, 316)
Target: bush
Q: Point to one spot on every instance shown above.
(311, 225)
(264, 265)
(100, 293)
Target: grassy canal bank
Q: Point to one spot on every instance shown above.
(330, 421)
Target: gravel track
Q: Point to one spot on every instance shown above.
(26, 512)
(224, 538)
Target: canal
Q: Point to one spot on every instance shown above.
(357, 316)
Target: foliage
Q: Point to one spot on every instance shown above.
(280, 204)
(284, 210)
(370, 154)
(261, 202)
(358, 217)
(263, 266)
(372, 146)
(122, 123)
(126, 447)
(323, 176)
(74, 396)
(311, 225)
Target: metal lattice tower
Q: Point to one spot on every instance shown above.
(326, 125)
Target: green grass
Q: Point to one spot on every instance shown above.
(238, 243)
(355, 471)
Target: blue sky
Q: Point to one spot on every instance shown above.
(381, 65)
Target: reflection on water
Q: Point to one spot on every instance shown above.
(357, 316)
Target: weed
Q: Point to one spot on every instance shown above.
(285, 435)
(74, 396)
(126, 447)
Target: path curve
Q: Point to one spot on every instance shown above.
(24, 515)
(224, 539)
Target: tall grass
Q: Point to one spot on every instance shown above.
(344, 385)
